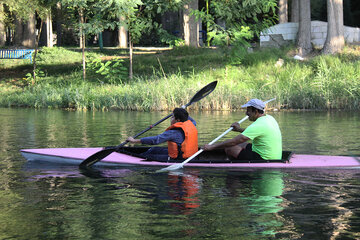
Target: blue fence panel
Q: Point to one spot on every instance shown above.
(16, 54)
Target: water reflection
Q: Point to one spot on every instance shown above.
(44, 170)
(61, 202)
(261, 193)
(318, 193)
(183, 189)
(117, 202)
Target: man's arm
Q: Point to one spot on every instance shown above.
(133, 140)
(171, 135)
(228, 143)
(236, 127)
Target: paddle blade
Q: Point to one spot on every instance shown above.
(203, 92)
(96, 157)
(171, 168)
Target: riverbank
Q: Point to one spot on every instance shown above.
(167, 79)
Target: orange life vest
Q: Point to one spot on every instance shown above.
(189, 145)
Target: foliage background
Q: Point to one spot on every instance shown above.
(168, 79)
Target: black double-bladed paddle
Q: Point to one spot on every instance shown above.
(96, 157)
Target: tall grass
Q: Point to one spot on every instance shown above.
(168, 80)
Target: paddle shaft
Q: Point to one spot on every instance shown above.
(213, 141)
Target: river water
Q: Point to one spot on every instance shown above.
(44, 201)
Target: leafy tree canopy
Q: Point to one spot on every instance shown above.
(247, 16)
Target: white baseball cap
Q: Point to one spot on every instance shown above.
(256, 103)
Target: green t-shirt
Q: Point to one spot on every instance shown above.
(266, 137)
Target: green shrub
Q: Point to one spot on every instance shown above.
(168, 80)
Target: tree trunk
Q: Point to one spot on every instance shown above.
(335, 30)
(19, 29)
(130, 57)
(122, 36)
(29, 35)
(101, 42)
(83, 58)
(49, 31)
(295, 11)
(81, 20)
(82, 42)
(304, 33)
(191, 26)
(46, 38)
(9, 35)
(2, 27)
(283, 11)
(59, 18)
(36, 50)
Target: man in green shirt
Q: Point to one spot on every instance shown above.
(264, 133)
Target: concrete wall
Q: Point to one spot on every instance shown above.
(285, 33)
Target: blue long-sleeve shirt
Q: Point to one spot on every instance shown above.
(173, 135)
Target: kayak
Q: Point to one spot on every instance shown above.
(130, 156)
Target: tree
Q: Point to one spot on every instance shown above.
(127, 14)
(283, 11)
(236, 24)
(59, 20)
(22, 18)
(29, 32)
(191, 26)
(18, 36)
(334, 42)
(2, 25)
(25, 10)
(295, 11)
(134, 16)
(137, 17)
(122, 35)
(255, 15)
(90, 20)
(304, 34)
(46, 37)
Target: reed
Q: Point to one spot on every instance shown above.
(168, 80)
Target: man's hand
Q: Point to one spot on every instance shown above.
(133, 140)
(236, 127)
(208, 147)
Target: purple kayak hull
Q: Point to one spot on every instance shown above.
(77, 155)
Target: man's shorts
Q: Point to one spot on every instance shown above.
(248, 154)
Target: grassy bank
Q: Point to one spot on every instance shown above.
(167, 79)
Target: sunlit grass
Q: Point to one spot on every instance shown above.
(167, 80)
